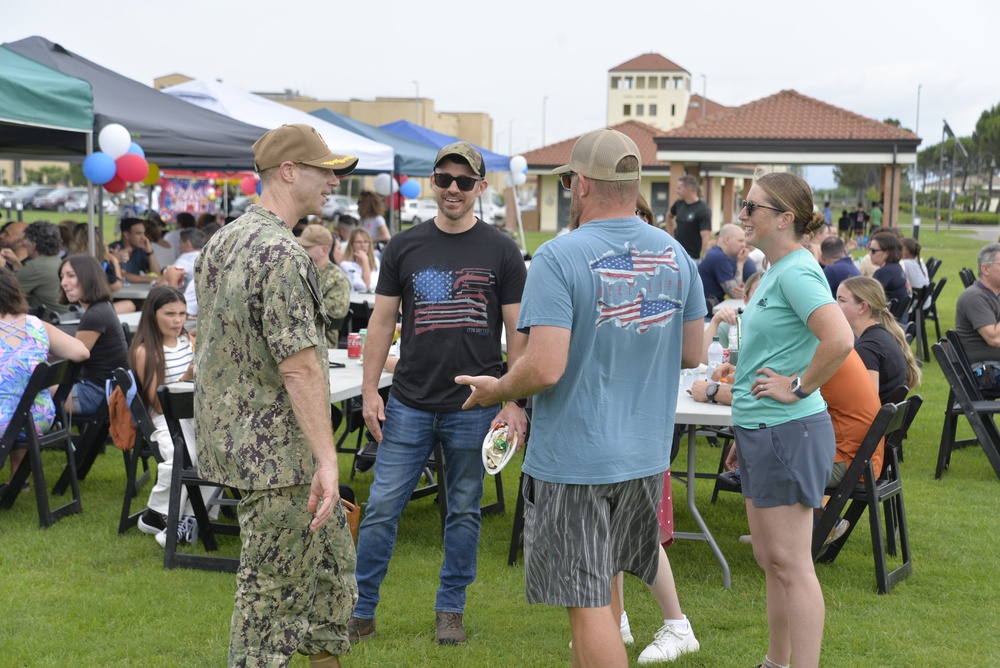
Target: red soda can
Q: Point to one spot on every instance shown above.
(354, 346)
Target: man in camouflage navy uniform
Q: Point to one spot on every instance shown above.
(333, 282)
(262, 411)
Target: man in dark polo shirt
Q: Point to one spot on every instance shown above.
(977, 313)
(837, 264)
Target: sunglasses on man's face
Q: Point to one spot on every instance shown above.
(751, 207)
(444, 181)
(566, 180)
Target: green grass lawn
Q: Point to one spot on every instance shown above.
(79, 594)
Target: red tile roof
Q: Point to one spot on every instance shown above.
(694, 109)
(559, 154)
(648, 62)
(788, 115)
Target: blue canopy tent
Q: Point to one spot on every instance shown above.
(494, 161)
(413, 158)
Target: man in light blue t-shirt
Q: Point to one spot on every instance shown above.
(612, 310)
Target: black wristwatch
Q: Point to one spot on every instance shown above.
(711, 391)
(796, 388)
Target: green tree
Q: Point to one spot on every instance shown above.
(986, 137)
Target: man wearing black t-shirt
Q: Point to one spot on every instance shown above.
(459, 282)
(690, 219)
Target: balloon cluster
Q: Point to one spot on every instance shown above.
(518, 171)
(385, 185)
(250, 185)
(119, 162)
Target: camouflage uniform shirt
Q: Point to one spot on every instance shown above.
(336, 290)
(259, 303)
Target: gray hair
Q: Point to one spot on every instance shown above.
(986, 255)
(193, 235)
(46, 237)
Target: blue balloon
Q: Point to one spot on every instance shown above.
(260, 188)
(99, 168)
(135, 148)
(410, 189)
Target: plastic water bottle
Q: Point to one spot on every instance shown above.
(735, 334)
(714, 355)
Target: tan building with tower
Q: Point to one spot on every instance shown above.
(649, 89)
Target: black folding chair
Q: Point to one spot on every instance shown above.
(933, 264)
(966, 399)
(882, 496)
(967, 276)
(178, 404)
(931, 313)
(143, 449)
(58, 437)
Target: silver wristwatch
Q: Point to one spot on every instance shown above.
(796, 388)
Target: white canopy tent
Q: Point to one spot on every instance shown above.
(373, 157)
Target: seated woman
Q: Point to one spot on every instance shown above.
(725, 318)
(916, 270)
(162, 353)
(24, 342)
(362, 268)
(83, 282)
(886, 251)
(880, 340)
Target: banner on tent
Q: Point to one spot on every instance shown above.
(192, 196)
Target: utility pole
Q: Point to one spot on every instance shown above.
(913, 181)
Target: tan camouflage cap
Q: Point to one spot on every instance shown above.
(465, 152)
(315, 235)
(596, 155)
(299, 143)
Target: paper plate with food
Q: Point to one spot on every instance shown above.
(498, 447)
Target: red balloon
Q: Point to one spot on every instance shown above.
(248, 186)
(117, 184)
(132, 168)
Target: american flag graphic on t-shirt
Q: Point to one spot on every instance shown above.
(641, 312)
(629, 265)
(444, 299)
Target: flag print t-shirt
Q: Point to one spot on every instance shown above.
(624, 289)
(453, 288)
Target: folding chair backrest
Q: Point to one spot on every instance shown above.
(45, 375)
(144, 427)
(967, 276)
(933, 264)
(963, 366)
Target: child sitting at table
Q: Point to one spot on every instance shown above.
(162, 353)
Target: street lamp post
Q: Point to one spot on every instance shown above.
(704, 95)
(416, 104)
(913, 181)
(544, 100)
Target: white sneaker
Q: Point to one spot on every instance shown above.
(626, 630)
(161, 539)
(668, 644)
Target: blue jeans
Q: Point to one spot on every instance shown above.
(408, 438)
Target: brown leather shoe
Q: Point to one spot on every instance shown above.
(360, 629)
(448, 629)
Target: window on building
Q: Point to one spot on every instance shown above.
(627, 110)
(627, 83)
(640, 110)
(665, 83)
(653, 81)
(615, 81)
(652, 110)
(673, 110)
(640, 82)
(678, 83)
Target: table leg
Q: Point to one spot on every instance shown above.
(704, 534)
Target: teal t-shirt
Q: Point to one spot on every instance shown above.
(775, 335)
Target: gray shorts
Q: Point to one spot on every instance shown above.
(787, 464)
(576, 537)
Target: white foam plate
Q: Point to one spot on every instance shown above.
(490, 456)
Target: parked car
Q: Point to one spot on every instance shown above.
(53, 200)
(24, 195)
(418, 210)
(339, 204)
(77, 202)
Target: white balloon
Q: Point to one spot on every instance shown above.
(385, 185)
(518, 163)
(506, 180)
(519, 178)
(114, 140)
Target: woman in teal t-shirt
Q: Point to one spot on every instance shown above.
(794, 338)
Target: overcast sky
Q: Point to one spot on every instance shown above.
(503, 58)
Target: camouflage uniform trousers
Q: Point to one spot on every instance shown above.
(295, 589)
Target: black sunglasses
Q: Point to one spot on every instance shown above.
(751, 207)
(566, 180)
(465, 183)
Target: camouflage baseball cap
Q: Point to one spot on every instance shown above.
(596, 155)
(299, 143)
(465, 152)
(315, 235)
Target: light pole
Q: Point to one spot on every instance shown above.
(416, 104)
(704, 94)
(544, 100)
(913, 181)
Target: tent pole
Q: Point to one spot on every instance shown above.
(91, 243)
